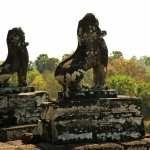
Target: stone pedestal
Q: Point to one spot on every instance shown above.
(16, 132)
(21, 108)
(99, 120)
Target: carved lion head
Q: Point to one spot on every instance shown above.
(16, 38)
(88, 29)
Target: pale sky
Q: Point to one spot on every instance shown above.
(50, 25)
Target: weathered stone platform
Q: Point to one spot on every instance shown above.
(16, 89)
(102, 120)
(16, 132)
(85, 96)
(21, 108)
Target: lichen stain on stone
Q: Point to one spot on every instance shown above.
(66, 136)
(25, 107)
(110, 121)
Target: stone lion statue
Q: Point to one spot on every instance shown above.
(91, 52)
(17, 59)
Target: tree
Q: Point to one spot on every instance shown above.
(31, 65)
(52, 64)
(131, 67)
(125, 85)
(31, 75)
(87, 81)
(145, 60)
(65, 56)
(39, 83)
(1, 62)
(116, 54)
(42, 62)
(53, 87)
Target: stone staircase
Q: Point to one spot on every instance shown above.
(99, 120)
(20, 109)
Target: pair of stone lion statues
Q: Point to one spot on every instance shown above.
(91, 52)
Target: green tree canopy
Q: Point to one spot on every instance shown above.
(43, 62)
(65, 56)
(116, 54)
(52, 64)
(145, 60)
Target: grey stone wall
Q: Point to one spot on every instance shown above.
(21, 108)
(15, 132)
(109, 119)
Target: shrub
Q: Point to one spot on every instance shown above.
(123, 84)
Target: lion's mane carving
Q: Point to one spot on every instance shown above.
(91, 52)
(17, 59)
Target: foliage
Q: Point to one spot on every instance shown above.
(45, 81)
(65, 56)
(39, 83)
(52, 85)
(116, 54)
(31, 75)
(123, 84)
(31, 65)
(88, 77)
(53, 63)
(130, 67)
(43, 62)
(13, 79)
(147, 126)
(143, 90)
(145, 60)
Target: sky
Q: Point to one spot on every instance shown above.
(50, 26)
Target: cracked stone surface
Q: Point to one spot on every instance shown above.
(21, 108)
(109, 119)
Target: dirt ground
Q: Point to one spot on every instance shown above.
(19, 145)
(132, 145)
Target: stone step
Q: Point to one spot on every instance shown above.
(15, 132)
(15, 89)
(102, 120)
(86, 95)
(21, 108)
